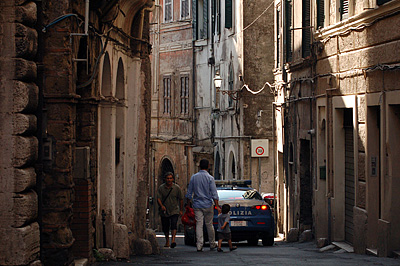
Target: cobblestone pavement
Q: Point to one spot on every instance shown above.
(282, 253)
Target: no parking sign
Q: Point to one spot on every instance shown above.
(259, 148)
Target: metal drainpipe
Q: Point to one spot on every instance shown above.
(87, 17)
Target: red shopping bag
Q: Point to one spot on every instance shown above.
(188, 217)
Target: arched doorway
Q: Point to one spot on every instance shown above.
(166, 166)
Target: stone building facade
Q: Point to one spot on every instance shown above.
(172, 97)
(233, 45)
(75, 128)
(338, 111)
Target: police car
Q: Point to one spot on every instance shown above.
(251, 216)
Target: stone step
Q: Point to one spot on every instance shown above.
(372, 251)
(344, 246)
(81, 262)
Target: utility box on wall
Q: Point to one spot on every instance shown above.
(259, 148)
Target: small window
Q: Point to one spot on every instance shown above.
(168, 11)
(167, 94)
(117, 150)
(185, 9)
(230, 85)
(185, 95)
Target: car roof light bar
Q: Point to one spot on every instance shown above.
(244, 183)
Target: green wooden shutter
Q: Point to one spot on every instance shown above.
(288, 31)
(278, 37)
(344, 9)
(320, 13)
(194, 19)
(228, 14)
(205, 19)
(306, 31)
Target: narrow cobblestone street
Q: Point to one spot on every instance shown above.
(282, 253)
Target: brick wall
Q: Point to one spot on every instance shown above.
(82, 225)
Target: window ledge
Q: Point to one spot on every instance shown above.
(202, 42)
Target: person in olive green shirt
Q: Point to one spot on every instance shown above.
(170, 201)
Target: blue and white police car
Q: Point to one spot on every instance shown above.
(251, 216)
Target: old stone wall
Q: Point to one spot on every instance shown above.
(19, 227)
(258, 61)
(363, 65)
(60, 103)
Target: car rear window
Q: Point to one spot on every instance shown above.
(238, 194)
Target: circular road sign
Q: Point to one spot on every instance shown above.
(260, 150)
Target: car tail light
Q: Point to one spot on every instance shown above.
(260, 207)
(260, 222)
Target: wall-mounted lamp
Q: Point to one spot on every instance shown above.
(217, 81)
(218, 84)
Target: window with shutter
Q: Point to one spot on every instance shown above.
(185, 9)
(185, 95)
(194, 19)
(320, 13)
(228, 14)
(306, 31)
(201, 21)
(204, 34)
(217, 16)
(344, 9)
(167, 94)
(288, 31)
(167, 10)
(278, 36)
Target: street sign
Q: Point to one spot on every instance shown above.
(259, 148)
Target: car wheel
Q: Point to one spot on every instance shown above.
(252, 241)
(268, 241)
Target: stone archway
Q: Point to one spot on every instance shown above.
(166, 166)
(106, 196)
(120, 130)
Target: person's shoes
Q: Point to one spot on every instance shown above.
(213, 247)
(200, 250)
(166, 245)
(173, 244)
(220, 250)
(233, 248)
